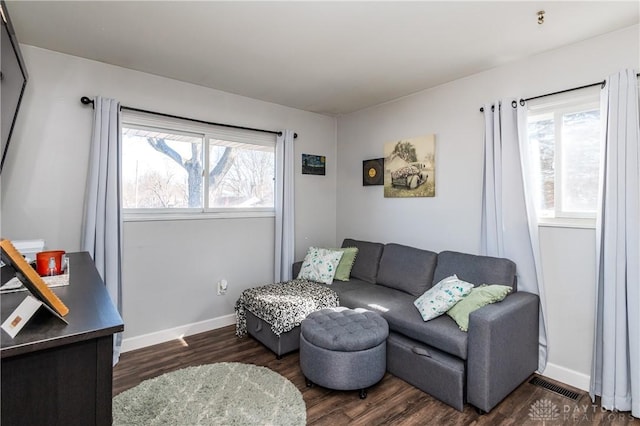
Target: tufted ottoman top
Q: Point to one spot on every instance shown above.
(344, 329)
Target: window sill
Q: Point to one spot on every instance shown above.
(151, 217)
(567, 223)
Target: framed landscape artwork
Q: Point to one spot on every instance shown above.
(410, 167)
(313, 164)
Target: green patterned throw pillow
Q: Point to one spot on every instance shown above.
(320, 265)
(480, 296)
(441, 297)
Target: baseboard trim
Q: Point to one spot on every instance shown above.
(552, 371)
(570, 377)
(138, 342)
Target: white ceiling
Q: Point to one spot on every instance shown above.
(326, 57)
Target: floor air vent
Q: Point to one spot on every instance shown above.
(537, 381)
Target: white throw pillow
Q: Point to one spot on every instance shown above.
(320, 265)
(441, 297)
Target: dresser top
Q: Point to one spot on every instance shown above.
(92, 314)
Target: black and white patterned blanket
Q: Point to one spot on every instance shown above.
(283, 305)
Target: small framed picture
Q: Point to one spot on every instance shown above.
(313, 164)
(373, 172)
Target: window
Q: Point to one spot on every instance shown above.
(564, 143)
(171, 167)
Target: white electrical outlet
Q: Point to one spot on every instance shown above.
(222, 287)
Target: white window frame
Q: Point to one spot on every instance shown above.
(557, 106)
(208, 133)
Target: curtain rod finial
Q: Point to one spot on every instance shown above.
(295, 135)
(86, 101)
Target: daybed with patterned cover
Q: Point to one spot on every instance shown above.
(272, 313)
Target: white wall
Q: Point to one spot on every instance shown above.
(451, 220)
(170, 267)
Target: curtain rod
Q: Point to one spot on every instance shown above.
(86, 101)
(522, 101)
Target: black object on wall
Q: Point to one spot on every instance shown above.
(373, 172)
(13, 78)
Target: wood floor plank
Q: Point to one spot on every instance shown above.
(391, 401)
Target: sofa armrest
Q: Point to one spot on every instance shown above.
(502, 348)
(295, 269)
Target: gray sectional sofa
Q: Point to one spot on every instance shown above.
(481, 366)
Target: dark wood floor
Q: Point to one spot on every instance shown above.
(392, 401)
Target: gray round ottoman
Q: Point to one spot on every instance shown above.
(343, 349)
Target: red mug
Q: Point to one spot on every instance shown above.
(49, 262)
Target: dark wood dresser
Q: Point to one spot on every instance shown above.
(58, 374)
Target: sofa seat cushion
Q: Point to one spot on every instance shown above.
(406, 268)
(367, 261)
(441, 332)
(343, 286)
(402, 316)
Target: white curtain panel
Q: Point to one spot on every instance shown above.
(615, 375)
(102, 224)
(509, 223)
(284, 206)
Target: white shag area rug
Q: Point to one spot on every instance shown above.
(226, 393)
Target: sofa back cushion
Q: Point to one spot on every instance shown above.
(366, 265)
(407, 268)
(476, 269)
